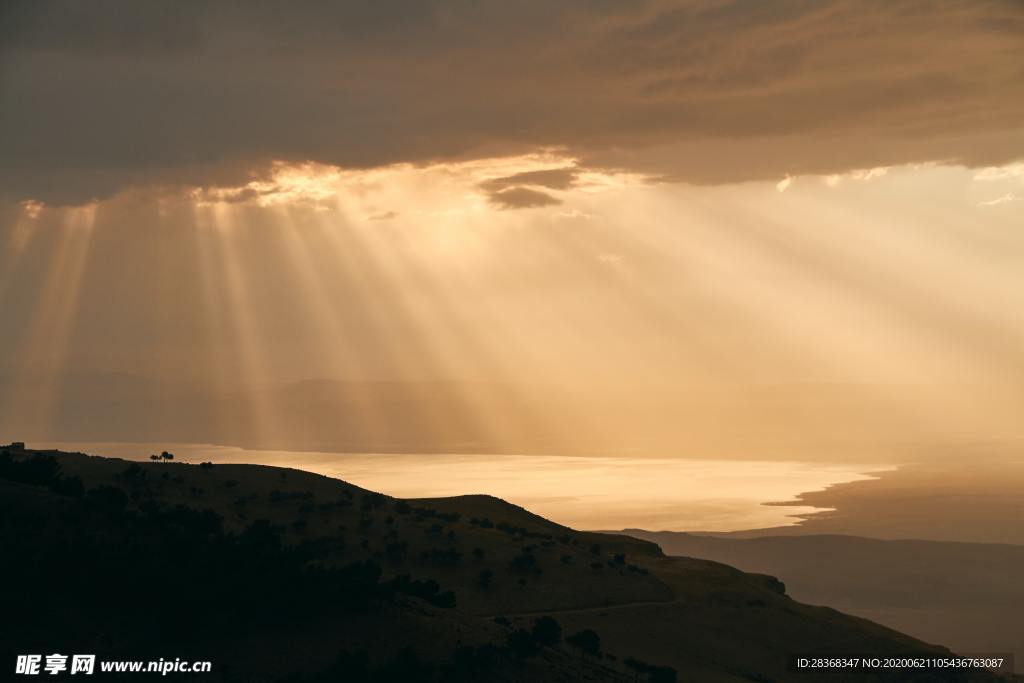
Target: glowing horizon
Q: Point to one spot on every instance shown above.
(425, 273)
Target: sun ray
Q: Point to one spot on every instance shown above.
(44, 350)
(242, 364)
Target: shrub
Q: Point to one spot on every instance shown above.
(525, 561)
(521, 643)
(546, 631)
(372, 500)
(396, 550)
(655, 673)
(587, 641)
(428, 590)
(107, 498)
(68, 486)
(443, 556)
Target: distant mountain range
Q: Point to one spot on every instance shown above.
(820, 422)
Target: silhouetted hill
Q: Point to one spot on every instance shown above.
(279, 574)
(968, 596)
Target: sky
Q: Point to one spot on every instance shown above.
(692, 227)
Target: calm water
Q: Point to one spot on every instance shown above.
(582, 492)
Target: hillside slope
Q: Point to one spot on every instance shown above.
(278, 574)
(966, 595)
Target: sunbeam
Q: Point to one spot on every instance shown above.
(42, 356)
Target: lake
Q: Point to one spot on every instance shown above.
(582, 492)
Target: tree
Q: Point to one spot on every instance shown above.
(107, 498)
(68, 486)
(636, 665)
(39, 470)
(587, 640)
(474, 663)
(655, 673)
(522, 643)
(662, 674)
(525, 561)
(444, 599)
(167, 456)
(546, 632)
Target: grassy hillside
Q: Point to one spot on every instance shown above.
(966, 595)
(279, 574)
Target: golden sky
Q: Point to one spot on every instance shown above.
(705, 227)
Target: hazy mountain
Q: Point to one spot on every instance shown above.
(783, 421)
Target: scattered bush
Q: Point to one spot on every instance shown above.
(546, 631)
(429, 590)
(442, 556)
(586, 641)
(521, 643)
(525, 561)
(655, 673)
(396, 550)
(372, 500)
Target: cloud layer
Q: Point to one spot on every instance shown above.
(102, 96)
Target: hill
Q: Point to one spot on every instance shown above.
(966, 595)
(279, 574)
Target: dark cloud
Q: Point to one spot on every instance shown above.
(522, 198)
(520, 190)
(554, 179)
(99, 96)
